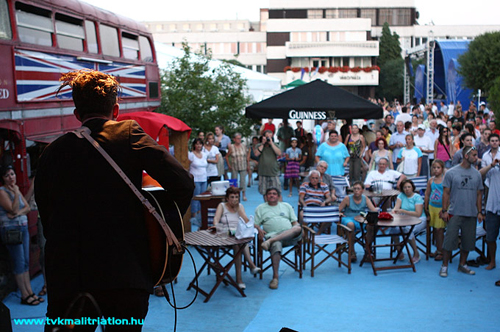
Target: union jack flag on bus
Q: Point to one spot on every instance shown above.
(37, 75)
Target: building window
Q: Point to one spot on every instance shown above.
(348, 13)
(403, 17)
(319, 62)
(69, 33)
(34, 25)
(315, 13)
(109, 40)
(226, 26)
(331, 13)
(346, 62)
(213, 26)
(371, 14)
(145, 47)
(173, 27)
(199, 27)
(91, 37)
(337, 62)
(395, 17)
(5, 30)
(318, 36)
(186, 27)
(241, 26)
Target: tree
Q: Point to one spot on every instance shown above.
(391, 65)
(391, 80)
(203, 96)
(494, 99)
(480, 65)
(389, 46)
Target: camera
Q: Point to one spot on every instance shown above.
(268, 139)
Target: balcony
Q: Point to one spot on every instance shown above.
(331, 49)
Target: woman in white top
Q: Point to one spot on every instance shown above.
(410, 157)
(213, 156)
(229, 213)
(198, 168)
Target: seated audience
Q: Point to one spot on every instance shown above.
(411, 204)
(386, 176)
(230, 212)
(277, 224)
(351, 207)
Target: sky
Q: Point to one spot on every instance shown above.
(477, 12)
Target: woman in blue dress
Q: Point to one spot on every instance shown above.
(334, 153)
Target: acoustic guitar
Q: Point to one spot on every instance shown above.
(165, 261)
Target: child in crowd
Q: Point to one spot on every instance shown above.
(434, 203)
(293, 157)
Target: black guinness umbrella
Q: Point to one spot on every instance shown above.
(316, 100)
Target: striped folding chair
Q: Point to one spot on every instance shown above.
(341, 184)
(420, 184)
(315, 244)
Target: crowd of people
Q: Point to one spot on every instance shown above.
(454, 150)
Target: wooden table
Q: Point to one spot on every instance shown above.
(207, 201)
(208, 245)
(400, 221)
(384, 196)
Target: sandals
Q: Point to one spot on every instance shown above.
(43, 292)
(34, 300)
(497, 283)
(438, 256)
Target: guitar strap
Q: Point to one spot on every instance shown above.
(84, 132)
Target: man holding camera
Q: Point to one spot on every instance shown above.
(268, 169)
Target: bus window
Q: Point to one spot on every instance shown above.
(5, 30)
(130, 46)
(69, 32)
(146, 53)
(34, 25)
(109, 40)
(91, 37)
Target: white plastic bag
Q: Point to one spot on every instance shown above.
(245, 229)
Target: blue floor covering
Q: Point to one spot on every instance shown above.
(332, 300)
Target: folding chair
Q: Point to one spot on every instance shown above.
(424, 247)
(341, 184)
(480, 236)
(420, 183)
(315, 244)
(294, 262)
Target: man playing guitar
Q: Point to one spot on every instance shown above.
(97, 241)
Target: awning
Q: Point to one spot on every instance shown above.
(316, 100)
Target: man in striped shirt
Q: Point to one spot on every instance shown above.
(314, 192)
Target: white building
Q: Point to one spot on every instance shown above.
(335, 40)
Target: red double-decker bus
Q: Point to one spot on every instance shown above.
(39, 40)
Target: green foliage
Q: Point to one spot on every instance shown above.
(391, 66)
(494, 99)
(389, 46)
(204, 97)
(391, 80)
(480, 65)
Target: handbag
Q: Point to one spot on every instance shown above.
(12, 237)
(245, 229)
(401, 166)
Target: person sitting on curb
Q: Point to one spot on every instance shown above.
(277, 223)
